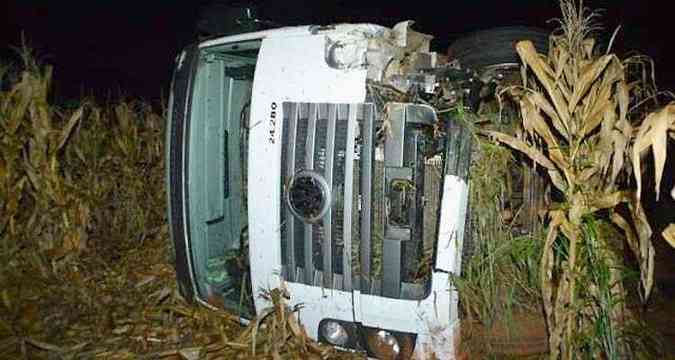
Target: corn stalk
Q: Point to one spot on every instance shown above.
(72, 176)
(578, 125)
(38, 202)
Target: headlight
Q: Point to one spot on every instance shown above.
(386, 341)
(379, 343)
(383, 344)
(334, 333)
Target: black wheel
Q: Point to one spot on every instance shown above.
(494, 47)
(490, 52)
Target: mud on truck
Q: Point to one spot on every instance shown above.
(328, 161)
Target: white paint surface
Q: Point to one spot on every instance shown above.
(290, 68)
(451, 227)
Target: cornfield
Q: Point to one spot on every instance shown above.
(85, 266)
(85, 260)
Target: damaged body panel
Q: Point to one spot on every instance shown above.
(304, 159)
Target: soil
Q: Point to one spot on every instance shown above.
(524, 335)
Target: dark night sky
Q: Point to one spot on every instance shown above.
(99, 46)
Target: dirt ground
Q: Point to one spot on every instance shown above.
(117, 302)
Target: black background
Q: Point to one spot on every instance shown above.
(127, 47)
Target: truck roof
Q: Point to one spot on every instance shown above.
(371, 29)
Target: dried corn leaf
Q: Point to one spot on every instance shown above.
(605, 143)
(560, 56)
(532, 120)
(546, 76)
(542, 103)
(65, 133)
(653, 132)
(547, 263)
(644, 232)
(587, 78)
(588, 44)
(595, 118)
(523, 147)
(669, 235)
(620, 148)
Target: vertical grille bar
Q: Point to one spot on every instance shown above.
(327, 246)
(348, 195)
(394, 154)
(290, 120)
(300, 156)
(308, 111)
(367, 154)
(338, 195)
(319, 230)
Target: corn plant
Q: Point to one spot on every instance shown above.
(75, 183)
(118, 152)
(580, 125)
(68, 176)
(38, 201)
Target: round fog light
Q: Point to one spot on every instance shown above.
(334, 333)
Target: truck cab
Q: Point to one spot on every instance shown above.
(310, 159)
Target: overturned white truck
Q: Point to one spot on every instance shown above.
(316, 159)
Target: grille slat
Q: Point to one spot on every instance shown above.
(308, 116)
(366, 162)
(394, 161)
(338, 182)
(290, 113)
(351, 111)
(328, 113)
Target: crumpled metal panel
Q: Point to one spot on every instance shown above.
(391, 56)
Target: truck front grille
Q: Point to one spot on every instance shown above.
(330, 154)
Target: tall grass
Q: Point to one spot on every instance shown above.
(499, 282)
(501, 273)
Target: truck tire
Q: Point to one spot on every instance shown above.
(495, 46)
